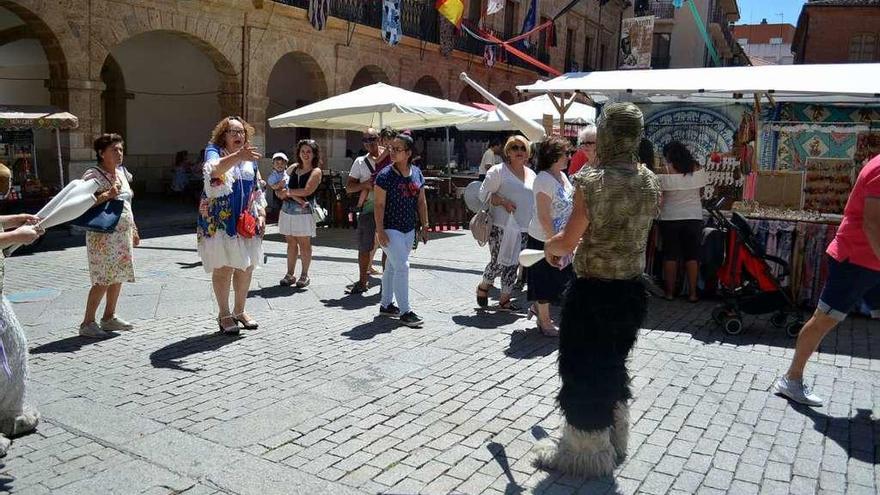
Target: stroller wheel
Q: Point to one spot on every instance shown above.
(778, 319)
(732, 325)
(793, 328)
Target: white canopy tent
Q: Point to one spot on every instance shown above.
(534, 109)
(378, 105)
(839, 83)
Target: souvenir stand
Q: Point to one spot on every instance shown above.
(18, 124)
(803, 132)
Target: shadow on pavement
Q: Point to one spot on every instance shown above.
(169, 356)
(352, 302)
(530, 344)
(69, 344)
(854, 435)
(500, 456)
(274, 291)
(378, 325)
(486, 320)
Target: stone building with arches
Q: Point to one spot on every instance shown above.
(162, 72)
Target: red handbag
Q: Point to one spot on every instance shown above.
(247, 224)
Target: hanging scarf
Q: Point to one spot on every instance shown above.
(391, 31)
(318, 10)
(447, 37)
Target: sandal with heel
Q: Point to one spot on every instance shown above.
(228, 329)
(248, 323)
(483, 296)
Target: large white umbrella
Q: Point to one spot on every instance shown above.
(378, 105)
(534, 110)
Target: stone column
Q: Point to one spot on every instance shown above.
(82, 98)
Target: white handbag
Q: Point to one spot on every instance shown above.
(481, 225)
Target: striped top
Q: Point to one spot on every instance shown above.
(621, 204)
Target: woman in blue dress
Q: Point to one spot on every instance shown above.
(231, 202)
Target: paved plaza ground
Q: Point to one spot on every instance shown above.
(327, 397)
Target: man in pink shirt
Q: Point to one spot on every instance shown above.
(853, 276)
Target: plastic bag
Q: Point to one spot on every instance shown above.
(511, 243)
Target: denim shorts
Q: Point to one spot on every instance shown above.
(847, 286)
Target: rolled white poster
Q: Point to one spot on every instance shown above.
(530, 129)
(528, 257)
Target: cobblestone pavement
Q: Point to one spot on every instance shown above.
(326, 397)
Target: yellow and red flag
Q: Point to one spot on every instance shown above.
(451, 9)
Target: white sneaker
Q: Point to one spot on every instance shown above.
(116, 324)
(93, 331)
(796, 391)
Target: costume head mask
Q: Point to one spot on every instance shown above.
(5, 180)
(619, 133)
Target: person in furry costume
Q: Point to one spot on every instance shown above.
(615, 203)
(15, 419)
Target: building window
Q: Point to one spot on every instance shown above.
(741, 41)
(570, 63)
(863, 48)
(660, 51)
(775, 41)
(510, 19)
(588, 51)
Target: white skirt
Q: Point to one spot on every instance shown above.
(237, 252)
(298, 225)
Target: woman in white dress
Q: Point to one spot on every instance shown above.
(296, 222)
(232, 219)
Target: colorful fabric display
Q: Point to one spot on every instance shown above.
(318, 11)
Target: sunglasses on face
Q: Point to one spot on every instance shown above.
(517, 147)
(235, 132)
(395, 149)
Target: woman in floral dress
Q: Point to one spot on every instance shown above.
(231, 199)
(110, 255)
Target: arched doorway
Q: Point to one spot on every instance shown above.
(427, 85)
(367, 75)
(469, 95)
(296, 80)
(177, 89)
(30, 57)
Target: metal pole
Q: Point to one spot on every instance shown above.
(58, 151)
(448, 154)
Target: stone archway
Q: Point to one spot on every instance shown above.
(470, 95)
(427, 85)
(369, 74)
(174, 88)
(30, 57)
(296, 80)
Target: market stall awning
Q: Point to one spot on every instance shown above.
(378, 105)
(838, 83)
(36, 117)
(533, 109)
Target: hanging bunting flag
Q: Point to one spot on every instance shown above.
(391, 30)
(494, 6)
(489, 55)
(318, 11)
(451, 9)
(529, 22)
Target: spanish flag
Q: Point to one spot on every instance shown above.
(451, 9)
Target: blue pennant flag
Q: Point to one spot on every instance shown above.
(529, 22)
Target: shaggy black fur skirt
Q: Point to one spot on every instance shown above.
(600, 323)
